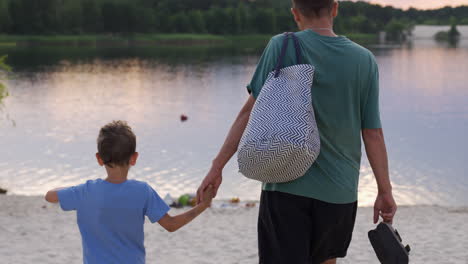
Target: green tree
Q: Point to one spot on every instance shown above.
(119, 16)
(236, 20)
(146, 20)
(197, 21)
(181, 23)
(464, 21)
(453, 32)
(4, 69)
(213, 16)
(396, 30)
(71, 17)
(216, 18)
(162, 22)
(34, 16)
(266, 21)
(5, 20)
(243, 14)
(92, 19)
(357, 23)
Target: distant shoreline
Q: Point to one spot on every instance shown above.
(180, 40)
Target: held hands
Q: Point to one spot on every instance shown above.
(384, 206)
(208, 195)
(213, 178)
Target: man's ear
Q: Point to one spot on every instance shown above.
(133, 159)
(335, 8)
(296, 15)
(99, 160)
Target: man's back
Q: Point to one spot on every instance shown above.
(111, 218)
(345, 99)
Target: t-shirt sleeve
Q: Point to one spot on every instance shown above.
(155, 208)
(71, 198)
(266, 64)
(371, 110)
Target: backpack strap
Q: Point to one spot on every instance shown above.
(279, 64)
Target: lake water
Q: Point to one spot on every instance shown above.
(60, 97)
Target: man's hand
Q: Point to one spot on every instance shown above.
(214, 178)
(384, 206)
(229, 148)
(208, 196)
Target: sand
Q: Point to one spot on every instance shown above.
(33, 231)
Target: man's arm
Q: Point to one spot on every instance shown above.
(229, 148)
(385, 205)
(173, 223)
(52, 195)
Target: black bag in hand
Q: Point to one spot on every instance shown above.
(388, 245)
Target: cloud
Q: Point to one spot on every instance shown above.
(420, 4)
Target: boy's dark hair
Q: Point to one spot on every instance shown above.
(116, 143)
(311, 8)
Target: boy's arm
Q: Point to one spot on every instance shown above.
(173, 223)
(52, 195)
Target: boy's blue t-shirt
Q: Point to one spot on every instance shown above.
(111, 217)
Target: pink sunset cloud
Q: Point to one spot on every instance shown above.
(420, 4)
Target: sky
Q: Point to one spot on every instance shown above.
(420, 4)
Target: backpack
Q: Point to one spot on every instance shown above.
(281, 140)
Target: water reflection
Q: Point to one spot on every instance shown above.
(61, 102)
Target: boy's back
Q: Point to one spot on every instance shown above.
(111, 212)
(111, 218)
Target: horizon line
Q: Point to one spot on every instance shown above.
(407, 7)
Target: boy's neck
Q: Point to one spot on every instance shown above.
(117, 174)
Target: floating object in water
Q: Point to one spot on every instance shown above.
(183, 118)
(3, 191)
(250, 205)
(235, 200)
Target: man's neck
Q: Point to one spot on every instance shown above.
(322, 26)
(117, 174)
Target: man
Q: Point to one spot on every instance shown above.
(311, 219)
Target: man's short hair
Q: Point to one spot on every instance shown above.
(313, 8)
(116, 143)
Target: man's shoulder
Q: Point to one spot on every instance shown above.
(276, 42)
(278, 38)
(362, 51)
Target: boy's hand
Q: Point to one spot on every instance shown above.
(214, 177)
(52, 195)
(208, 195)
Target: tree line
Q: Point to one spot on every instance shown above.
(42, 17)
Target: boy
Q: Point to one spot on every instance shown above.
(111, 212)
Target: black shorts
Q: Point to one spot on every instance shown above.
(298, 230)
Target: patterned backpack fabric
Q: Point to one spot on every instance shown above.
(281, 140)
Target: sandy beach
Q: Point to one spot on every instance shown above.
(33, 231)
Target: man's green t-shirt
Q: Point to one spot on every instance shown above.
(345, 96)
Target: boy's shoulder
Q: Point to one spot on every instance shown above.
(141, 186)
(138, 183)
(100, 183)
